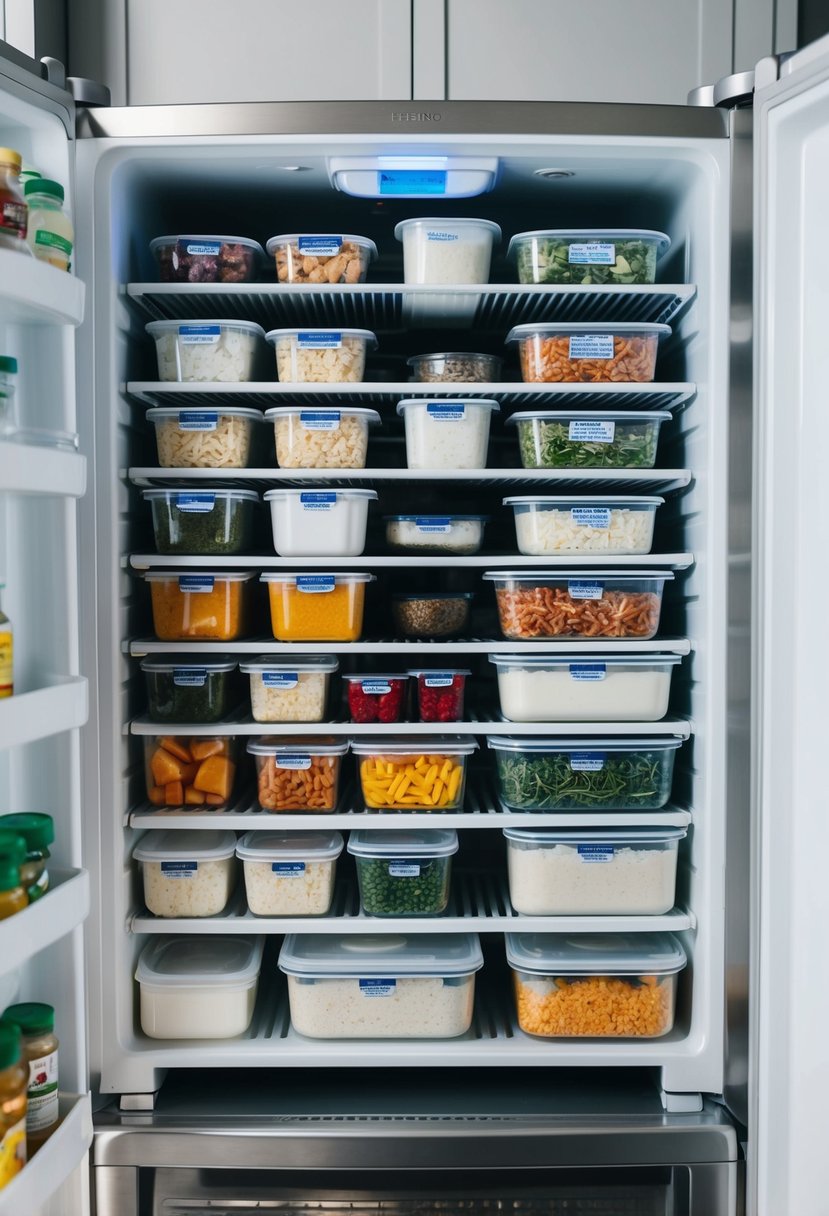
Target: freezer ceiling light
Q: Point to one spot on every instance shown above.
(413, 176)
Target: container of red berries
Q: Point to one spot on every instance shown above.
(377, 698)
(440, 694)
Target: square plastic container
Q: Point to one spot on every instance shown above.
(289, 873)
(289, 690)
(444, 434)
(618, 872)
(461, 534)
(443, 250)
(321, 438)
(209, 605)
(207, 351)
(321, 356)
(595, 352)
(404, 873)
(584, 688)
(590, 774)
(198, 987)
(438, 614)
(456, 367)
(376, 698)
(212, 522)
(321, 257)
(588, 255)
(426, 773)
(595, 986)
(549, 524)
(198, 773)
(381, 986)
(556, 439)
(578, 603)
(316, 607)
(187, 690)
(204, 439)
(440, 694)
(187, 873)
(319, 523)
(206, 259)
(298, 774)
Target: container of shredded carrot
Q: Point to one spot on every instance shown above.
(299, 773)
(316, 607)
(617, 351)
(595, 985)
(424, 773)
(200, 604)
(578, 603)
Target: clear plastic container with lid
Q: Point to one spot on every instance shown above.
(14, 1083)
(321, 257)
(383, 986)
(50, 234)
(321, 356)
(183, 689)
(461, 534)
(461, 367)
(206, 259)
(207, 351)
(220, 438)
(316, 607)
(431, 614)
(38, 831)
(595, 986)
(205, 604)
(404, 873)
(321, 438)
(578, 603)
(440, 693)
(547, 524)
(187, 873)
(196, 772)
(13, 209)
(319, 523)
(198, 987)
(588, 255)
(588, 351)
(8, 378)
(447, 250)
(584, 688)
(210, 522)
(289, 690)
(582, 439)
(289, 873)
(298, 774)
(446, 434)
(424, 773)
(376, 698)
(39, 1046)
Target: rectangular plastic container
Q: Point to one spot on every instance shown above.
(459, 534)
(444, 250)
(289, 690)
(590, 774)
(550, 524)
(208, 605)
(570, 439)
(420, 986)
(198, 987)
(588, 352)
(446, 434)
(404, 873)
(321, 257)
(376, 698)
(316, 607)
(210, 522)
(425, 773)
(206, 259)
(219, 438)
(187, 873)
(578, 603)
(297, 774)
(585, 986)
(456, 367)
(435, 614)
(440, 693)
(198, 773)
(597, 256)
(207, 351)
(187, 689)
(319, 523)
(615, 872)
(321, 438)
(321, 356)
(289, 873)
(584, 688)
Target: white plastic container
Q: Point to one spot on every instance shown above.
(206, 351)
(548, 524)
(289, 873)
(446, 434)
(581, 688)
(186, 873)
(461, 534)
(291, 690)
(198, 987)
(204, 439)
(384, 986)
(321, 438)
(319, 523)
(321, 356)
(442, 250)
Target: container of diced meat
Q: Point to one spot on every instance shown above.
(206, 259)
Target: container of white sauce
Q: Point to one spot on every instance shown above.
(574, 688)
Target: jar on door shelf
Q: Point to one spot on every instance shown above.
(205, 605)
(14, 1084)
(8, 376)
(38, 832)
(316, 607)
(6, 654)
(196, 772)
(186, 873)
(39, 1045)
(426, 773)
(298, 774)
(289, 690)
(50, 234)
(13, 210)
(13, 897)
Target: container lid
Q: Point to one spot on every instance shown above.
(433, 595)
(371, 677)
(431, 519)
(187, 663)
(453, 354)
(8, 363)
(32, 1017)
(311, 496)
(596, 953)
(289, 846)
(295, 663)
(483, 402)
(592, 235)
(297, 745)
(438, 672)
(327, 956)
(229, 493)
(276, 576)
(220, 576)
(622, 743)
(614, 836)
(584, 500)
(166, 327)
(560, 576)
(585, 660)
(210, 239)
(43, 185)
(444, 221)
(198, 962)
(175, 844)
(286, 238)
(359, 411)
(328, 331)
(36, 828)
(221, 411)
(420, 745)
(407, 842)
(520, 332)
(10, 1047)
(589, 416)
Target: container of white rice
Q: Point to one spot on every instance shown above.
(207, 351)
(186, 873)
(289, 873)
(547, 524)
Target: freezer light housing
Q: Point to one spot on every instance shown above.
(413, 176)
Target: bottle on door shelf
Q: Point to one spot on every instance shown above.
(50, 233)
(13, 209)
(6, 654)
(38, 831)
(13, 897)
(14, 1082)
(8, 373)
(36, 1022)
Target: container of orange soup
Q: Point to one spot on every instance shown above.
(200, 604)
(316, 607)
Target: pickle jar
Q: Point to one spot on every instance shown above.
(39, 1045)
(14, 1080)
(38, 831)
(13, 896)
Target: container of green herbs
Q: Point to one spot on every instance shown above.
(188, 690)
(205, 522)
(404, 872)
(588, 255)
(551, 439)
(584, 774)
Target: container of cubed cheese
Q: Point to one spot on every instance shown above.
(321, 257)
(289, 873)
(444, 250)
(587, 351)
(289, 690)
(207, 351)
(198, 987)
(321, 356)
(316, 607)
(588, 256)
(186, 873)
(319, 523)
(321, 438)
(547, 524)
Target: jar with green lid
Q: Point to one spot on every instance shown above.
(8, 377)
(14, 1079)
(39, 1044)
(38, 832)
(13, 897)
(50, 233)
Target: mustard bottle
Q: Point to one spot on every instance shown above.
(14, 1080)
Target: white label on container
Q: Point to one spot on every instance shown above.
(375, 688)
(179, 869)
(591, 517)
(288, 869)
(591, 346)
(592, 430)
(315, 584)
(280, 679)
(207, 249)
(596, 852)
(320, 420)
(42, 1104)
(320, 246)
(587, 762)
(404, 869)
(186, 677)
(198, 504)
(433, 524)
(199, 335)
(592, 253)
(446, 413)
(434, 234)
(197, 584)
(377, 987)
(311, 340)
(438, 680)
(588, 671)
(321, 501)
(580, 589)
(197, 420)
(293, 762)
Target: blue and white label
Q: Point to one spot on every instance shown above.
(596, 852)
(204, 249)
(411, 181)
(196, 504)
(315, 584)
(437, 234)
(283, 680)
(438, 679)
(320, 420)
(377, 987)
(320, 246)
(197, 420)
(322, 501)
(404, 869)
(189, 677)
(591, 430)
(433, 525)
(587, 762)
(592, 253)
(199, 335)
(294, 763)
(179, 869)
(581, 589)
(375, 688)
(454, 412)
(591, 517)
(313, 340)
(591, 346)
(288, 869)
(196, 584)
(588, 671)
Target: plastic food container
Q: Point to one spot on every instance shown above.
(206, 259)
(8, 376)
(578, 603)
(383, 986)
(321, 438)
(319, 523)
(316, 607)
(289, 873)
(588, 255)
(198, 987)
(439, 614)
(595, 986)
(442, 250)
(404, 873)
(444, 434)
(462, 367)
(621, 872)
(321, 257)
(427, 773)
(555, 439)
(204, 439)
(579, 688)
(291, 690)
(461, 534)
(623, 351)
(297, 774)
(548, 524)
(190, 772)
(593, 774)
(321, 356)
(376, 698)
(210, 522)
(187, 873)
(211, 605)
(202, 351)
(187, 690)
(440, 694)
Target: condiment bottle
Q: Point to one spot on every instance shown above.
(36, 1022)
(8, 372)
(38, 831)
(13, 209)
(6, 654)
(50, 234)
(14, 1079)
(13, 897)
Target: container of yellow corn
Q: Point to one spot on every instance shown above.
(424, 773)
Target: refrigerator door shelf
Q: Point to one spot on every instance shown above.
(64, 906)
(56, 1162)
(34, 293)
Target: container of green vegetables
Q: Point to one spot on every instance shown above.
(560, 439)
(210, 521)
(588, 256)
(404, 872)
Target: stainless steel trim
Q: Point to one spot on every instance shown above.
(734, 90)
(702, 95)
(115, 1190)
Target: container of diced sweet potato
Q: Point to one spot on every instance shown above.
(586, 352)
(298, 774)
(195, 772)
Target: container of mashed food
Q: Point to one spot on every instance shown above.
(321, 257)
(446, 434)
(599, 256)
(206, 259)
(298, 773)
(187, 689)
(289, 873)
(198, 987)
(321, 438)
(548, 524)
(588, 352)
(187, 873)
(383, 986)
(461, 367)
(404, 873)
(321, 356)
(460, 534)
(319, 523)
(202, 604)
(294, 689)
(578, 603)
(204, 439)
(584, 688)
(196, 771)
(442, 250)
(206, 351)
(316, 607)
(211, 522)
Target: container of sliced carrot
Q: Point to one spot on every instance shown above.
(578, 603)
(425, 773)
(584, 352)
(298, 774)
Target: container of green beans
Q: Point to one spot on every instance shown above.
(404, 872)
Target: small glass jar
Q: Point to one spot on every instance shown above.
(13, 209)
(39, 1044)
(38, 831)
(14, 1079)
(8, 376)
(50, 234)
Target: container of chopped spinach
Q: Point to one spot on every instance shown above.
(403, 873)
(188, 690)
(584, 774)
(204, 522)
(588, 255)
(552, 439)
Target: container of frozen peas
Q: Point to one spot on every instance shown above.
(289, 873)
(206, 259)
(376, 698)
(584, 688)
(321, 356)
(578, 603)
(596, 352)
(319, 523)
(297, 774)
(548, 524)
(438, 614)
(598, 256)
(461, 367)
(209, 522)
(460, 534)
(219, 438)
(316, 607)
(446, 434)
(321, 438)
(207, 351)
(198, 987)
(443, 250)
(187, 689)
(187, 873)
(556, 439)
(202, 604)
(191, 772)
(404, 873)
(289, 690)
(321, 257)
(426, 773)
(440, 693)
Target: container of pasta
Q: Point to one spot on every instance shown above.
(289, 873)
(207, 351)
(618, 351)
(424, 773)
(316, 607)
(321, 438)
(404, 873)
(211, 522)
(597, 256)
(573, 439)
(198, 987)
(578, 603)
(321, 356)
(289, 690)
(587, 985)
(219, 438)
(193, 772)
(319, 523)
(546, 524)
(211, 605)
(321, 257)
(584, 688)
(297, 774)
(187, 873)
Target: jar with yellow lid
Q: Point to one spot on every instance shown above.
(14, 1080)
(50, 233)
(39, 1045)
(13, 209)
